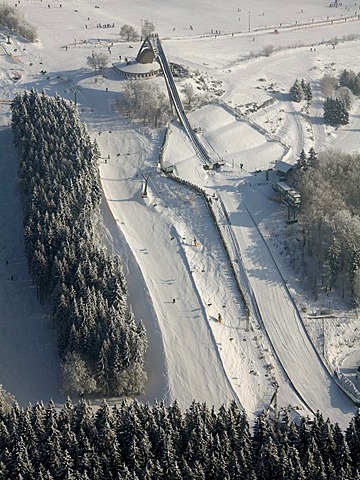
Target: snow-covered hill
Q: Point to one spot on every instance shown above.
(191, 355)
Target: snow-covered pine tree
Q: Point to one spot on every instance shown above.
(312, 157)
(346, 95)
(356, 89)
(308, 95)
(352, 437)
(335, 112)
(296, 92)
(347, 79)
(355, 275)
(302, 161)
(88, 289)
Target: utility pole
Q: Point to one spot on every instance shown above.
(75, 89)
(146, 177)
(249, 21)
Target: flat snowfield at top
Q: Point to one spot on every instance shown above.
(204, 15)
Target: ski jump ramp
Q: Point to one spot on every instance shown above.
(307, 375)
(154, 43)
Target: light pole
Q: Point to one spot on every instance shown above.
(141, 30)
(249, 21)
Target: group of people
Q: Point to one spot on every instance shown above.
(105, 25)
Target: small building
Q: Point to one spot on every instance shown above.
(143, 66)
(168, 169)
(136, 70)
(289, 197)
(283, 168)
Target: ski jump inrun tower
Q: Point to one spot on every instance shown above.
(151, 49)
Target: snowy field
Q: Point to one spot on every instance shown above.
(191, 355)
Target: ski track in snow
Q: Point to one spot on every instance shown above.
(279, 314)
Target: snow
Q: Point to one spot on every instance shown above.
(191, 355)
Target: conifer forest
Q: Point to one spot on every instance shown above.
(99, 342)
(138, 441)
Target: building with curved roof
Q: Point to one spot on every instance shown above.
(146, 55)
(144, 66)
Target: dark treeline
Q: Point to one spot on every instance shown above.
(141, 442)
(101, 346)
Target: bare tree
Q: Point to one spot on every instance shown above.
(190, 95)
(147, 28)
(128, 33)
(328, 85)
(103, 61)
(14, 20)
(346, 95)
(98, 61)
(6, 399)
(131, 380)
(330, 220)
(77, 378)
(145, 100)
(268, 50)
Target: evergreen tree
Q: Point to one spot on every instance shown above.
(353, 440)
(342, 458)
(263, 432)
(135, 441)
(308, 95)
(312, 157)
(327, 444)
(296, 92)
(87, 289)
(334, 259)
(302, 161)
(345, 94)
(347, 79)
(356, 89)
(268, 463)
(355, 275)
(335, 112)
